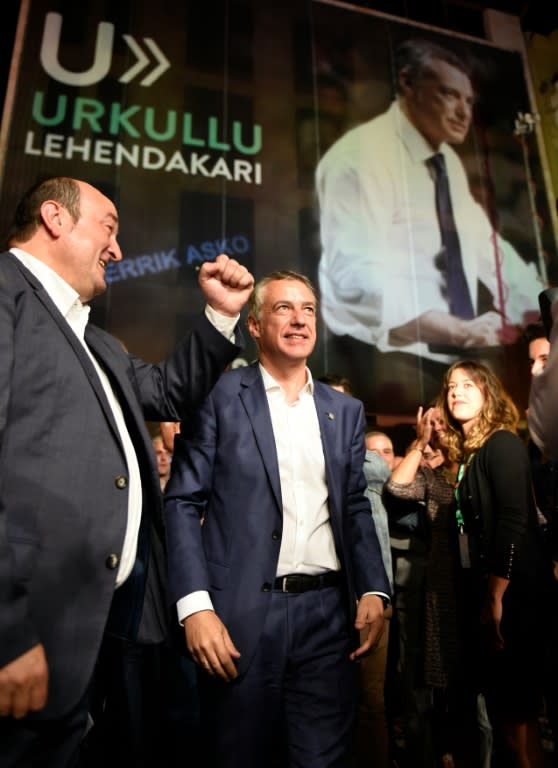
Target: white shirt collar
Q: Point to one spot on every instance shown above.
(62, 294)
(418, 147)
(270, 383)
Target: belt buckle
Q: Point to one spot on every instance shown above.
(284, 584)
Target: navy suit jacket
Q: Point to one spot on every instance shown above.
(225, 471)
(64, 478)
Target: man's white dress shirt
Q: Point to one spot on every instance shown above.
(380, 236)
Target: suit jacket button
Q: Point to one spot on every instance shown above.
(266, 586)
(275, 535)
(121, 482)
(112, 561)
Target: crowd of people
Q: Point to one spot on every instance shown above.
(264, 578)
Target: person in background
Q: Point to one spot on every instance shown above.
(338, 382)
(81, 535)
(542, 415)
(372, 738)
(286, 569)
(545, 485)
(382, 444)
(538, 347)
(379, 444)
(544, 470)
(407, 699)
(164, 458)
(503, 570)
(168, 430)
(422, 476)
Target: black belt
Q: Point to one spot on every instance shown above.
(302, 582)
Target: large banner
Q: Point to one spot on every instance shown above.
(294, 135)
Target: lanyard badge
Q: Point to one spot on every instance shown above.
(463, 537)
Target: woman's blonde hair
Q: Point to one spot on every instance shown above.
(498, 411)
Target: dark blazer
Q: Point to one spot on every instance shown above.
(64, 478)
(225, 471)
(498, 505)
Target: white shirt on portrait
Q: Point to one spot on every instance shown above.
(380, 236)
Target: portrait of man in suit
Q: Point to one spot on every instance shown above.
(285, 570)
(413, 269)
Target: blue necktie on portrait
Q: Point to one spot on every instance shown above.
(459, 296)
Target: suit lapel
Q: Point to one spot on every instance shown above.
(254, 399)
(82, 356)
(112, 364)
(329, 418)
(71, 338)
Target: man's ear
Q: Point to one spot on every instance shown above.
(405, 81)
(52, 216)
(253, 327)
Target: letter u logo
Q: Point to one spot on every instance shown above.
(50, 48)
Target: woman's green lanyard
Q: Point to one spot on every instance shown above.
(464, 553)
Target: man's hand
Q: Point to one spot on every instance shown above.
(226, 284)
(370, 612)
(210, 644)
(443, 329)
(24, 684)
(489, 330)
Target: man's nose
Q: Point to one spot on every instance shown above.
(114, 250)
(298, 317)
(464, 109)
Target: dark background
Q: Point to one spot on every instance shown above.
(462, 16)
(465, 16)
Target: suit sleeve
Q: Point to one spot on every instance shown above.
(16, 630)
(543, 403)
(186, 498)
(176, 388)
(366, 554)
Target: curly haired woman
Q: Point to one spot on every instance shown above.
(504, 577)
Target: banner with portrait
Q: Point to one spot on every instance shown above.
(208, 138)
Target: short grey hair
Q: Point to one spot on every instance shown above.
(415, 57)
(256, 299)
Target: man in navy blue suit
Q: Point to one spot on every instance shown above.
(274, 562)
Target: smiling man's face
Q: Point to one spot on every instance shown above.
(89, 244)
(286, 328)
(440, 104)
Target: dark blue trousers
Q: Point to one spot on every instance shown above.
(295, 705)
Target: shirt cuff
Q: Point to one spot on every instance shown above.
(386, 599)
(193, 603)
(223, 323)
